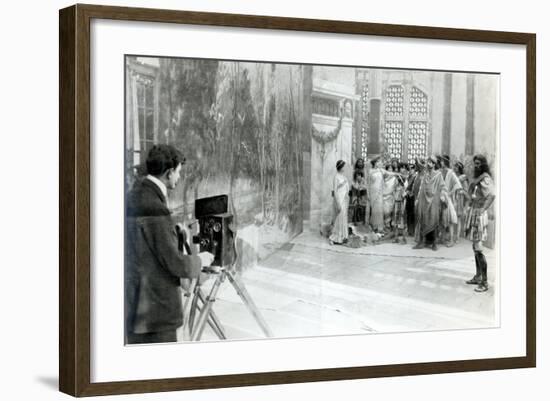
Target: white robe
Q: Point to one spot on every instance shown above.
(340, 201)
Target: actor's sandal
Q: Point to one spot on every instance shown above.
(473, 280)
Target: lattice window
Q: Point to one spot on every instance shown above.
(418, 126)
(393, 137)
(393, 125)
(365, 120)
(418, 104)
(394, 100)
(365, 102)
(418, 133)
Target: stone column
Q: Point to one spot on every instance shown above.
(470, 105)
(375, 87)
(447, 101)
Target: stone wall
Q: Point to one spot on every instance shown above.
(336, 85)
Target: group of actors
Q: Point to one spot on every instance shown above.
(429, 200)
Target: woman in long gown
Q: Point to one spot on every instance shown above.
(375, 192)
(340, 190)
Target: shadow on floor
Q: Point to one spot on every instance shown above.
(50, 382)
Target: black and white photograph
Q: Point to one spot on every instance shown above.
(266, 199)
(275, 200)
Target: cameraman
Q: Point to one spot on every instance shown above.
(154, 266)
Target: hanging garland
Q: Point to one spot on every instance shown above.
(324, 137)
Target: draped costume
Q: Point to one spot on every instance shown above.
(390, 183)
(432, 188)
(340, 227)
(449, 215)
(460, 197)
(376, 201)
(399, 209)
(358, 202)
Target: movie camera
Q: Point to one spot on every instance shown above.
(216, 235)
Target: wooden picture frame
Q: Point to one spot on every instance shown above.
(75, 199)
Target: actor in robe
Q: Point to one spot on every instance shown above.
(460, 200)
(358, 198)
(340, 190)
(432, 193)
(399, 208)
(375, 196)
(390, 183)
(482, 196)
(413, 185)
(449, 218)
(360, 168)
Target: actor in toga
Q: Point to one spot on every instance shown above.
(431, 194)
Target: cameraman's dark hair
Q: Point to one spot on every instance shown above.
(162, 158)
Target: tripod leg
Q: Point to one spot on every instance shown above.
(207, 307)
(193, 309)
(213, 319)
(218, 330)
(220, 334)
(187, 303)
(245, 296)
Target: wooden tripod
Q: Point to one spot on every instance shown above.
(206, 313)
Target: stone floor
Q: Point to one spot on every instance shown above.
(310, 288)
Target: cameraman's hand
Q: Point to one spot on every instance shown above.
(206, 258)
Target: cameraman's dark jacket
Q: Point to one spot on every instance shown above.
(153, 263)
